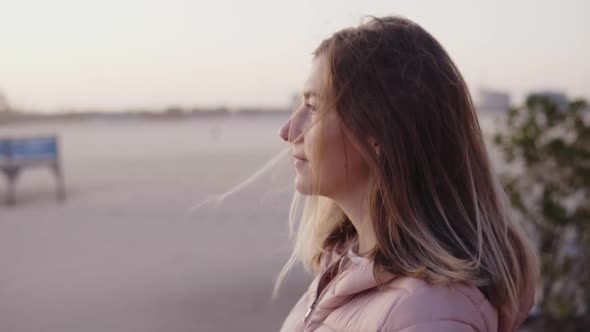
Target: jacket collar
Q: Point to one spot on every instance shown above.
(355, 276)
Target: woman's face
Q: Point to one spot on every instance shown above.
(340, 167)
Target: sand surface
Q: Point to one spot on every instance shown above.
(125, 253)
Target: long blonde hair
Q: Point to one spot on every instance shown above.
(438, 210)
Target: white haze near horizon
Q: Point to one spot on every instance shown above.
(65, 55)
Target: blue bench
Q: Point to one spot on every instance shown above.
(26, 152)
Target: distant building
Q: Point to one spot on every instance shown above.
(558, 97)
(493, 101)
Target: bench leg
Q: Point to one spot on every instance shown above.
(11, 174)
(61, 187)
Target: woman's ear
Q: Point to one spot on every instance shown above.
(375, 145)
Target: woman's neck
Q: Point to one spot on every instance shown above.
(355, 206)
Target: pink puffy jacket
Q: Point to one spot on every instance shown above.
(352, 302)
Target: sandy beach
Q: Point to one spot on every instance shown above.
(124, 252)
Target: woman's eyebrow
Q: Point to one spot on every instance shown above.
(308, 94)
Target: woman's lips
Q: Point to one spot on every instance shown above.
(299, 158)
(299, 161)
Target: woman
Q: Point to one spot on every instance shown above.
(404, 222)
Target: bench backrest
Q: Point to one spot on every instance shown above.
(29, 148)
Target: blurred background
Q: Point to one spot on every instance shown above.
(118, 117)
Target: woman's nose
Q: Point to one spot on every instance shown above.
(284, 132)
(292, 130)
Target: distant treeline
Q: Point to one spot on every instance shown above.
(168, 113)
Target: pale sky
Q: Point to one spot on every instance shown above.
(65, 55)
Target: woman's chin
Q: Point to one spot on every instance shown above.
(302, 186)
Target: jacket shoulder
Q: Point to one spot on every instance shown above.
(426, 307)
